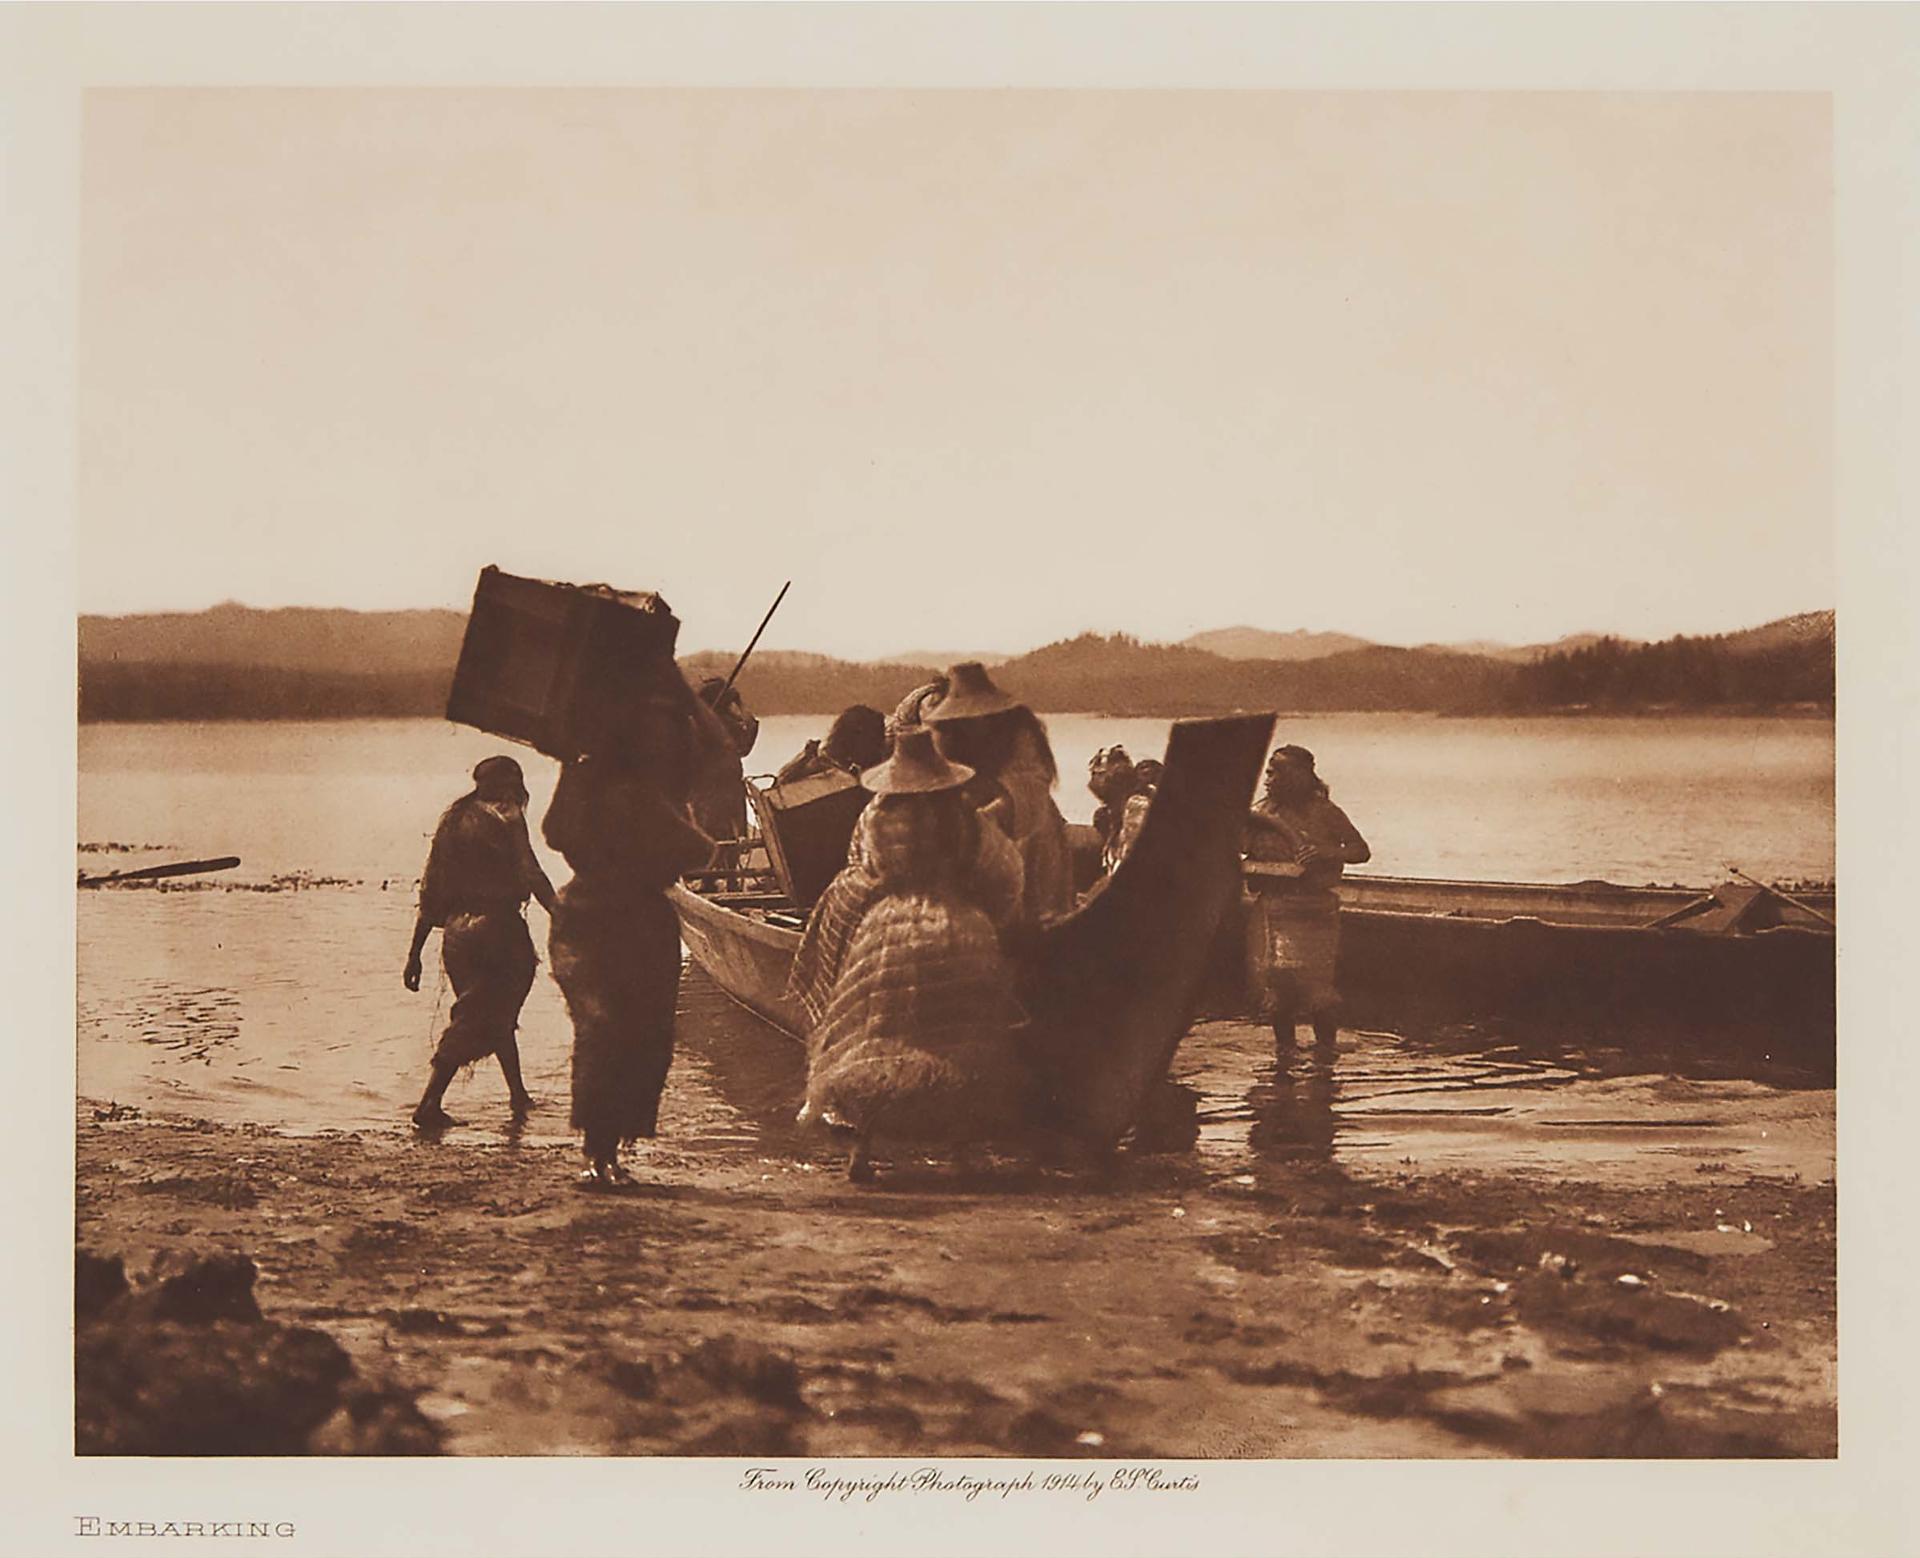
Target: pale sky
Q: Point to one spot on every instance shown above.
(974, 369)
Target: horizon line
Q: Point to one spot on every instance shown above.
(897, 657)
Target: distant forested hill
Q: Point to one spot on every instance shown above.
(1784, 662)
(121, 690)
(234, 663)
(1120, 675)
(321, 642)
(826, 686)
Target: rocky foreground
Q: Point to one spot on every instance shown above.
(181, 1361)
(414, 1297)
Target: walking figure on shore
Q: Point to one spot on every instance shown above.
(1296, 924)
(480, 872)
(620, 816)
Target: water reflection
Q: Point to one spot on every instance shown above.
(1291, 1103)
(755, 1075)
(1387, 1101)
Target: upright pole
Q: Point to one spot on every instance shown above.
(756, 637)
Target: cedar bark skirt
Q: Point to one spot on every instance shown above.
(616, 958)
(489, 961)
(1295, 934)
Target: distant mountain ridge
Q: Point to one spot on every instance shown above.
(1245, 643)
(237, 662)
(1523, 654)
(1808, 627)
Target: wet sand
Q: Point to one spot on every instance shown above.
(1393, 1251)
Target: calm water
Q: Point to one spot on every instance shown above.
(284, 1005)
(1494, 800)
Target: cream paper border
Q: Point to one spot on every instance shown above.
(1865, 57)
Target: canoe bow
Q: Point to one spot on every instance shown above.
(1112, 986)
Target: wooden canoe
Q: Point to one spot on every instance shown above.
(1576, 903)
(1729, 968)
(1112, 986)
(1735, 962)
(1714, 965)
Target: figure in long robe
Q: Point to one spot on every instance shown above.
(620, 816)
(916, 1034)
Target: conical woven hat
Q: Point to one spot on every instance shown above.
(916, 768)
(971, 694)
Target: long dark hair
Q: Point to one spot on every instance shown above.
(473, 797)
(1314, 787)
(858, 738)
(986, 744)
(458, 805)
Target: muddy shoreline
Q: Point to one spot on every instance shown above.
(1169, 1307)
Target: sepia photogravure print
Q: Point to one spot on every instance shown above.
(952, 796)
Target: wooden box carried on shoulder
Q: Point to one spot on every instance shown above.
(557, 665)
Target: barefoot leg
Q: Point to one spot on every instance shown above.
(518, 1098)
(860, 1164)
(429, 1114)
(1285, 1005)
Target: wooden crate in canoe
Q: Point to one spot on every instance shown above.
(555, 665)
(807, 825)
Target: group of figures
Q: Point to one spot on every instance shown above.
(1293, 922)
(916, 1031)
(915, 1027)
(623, 818)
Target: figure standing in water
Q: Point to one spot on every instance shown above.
(480, 872)
(620, 816)
(1295, 926)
